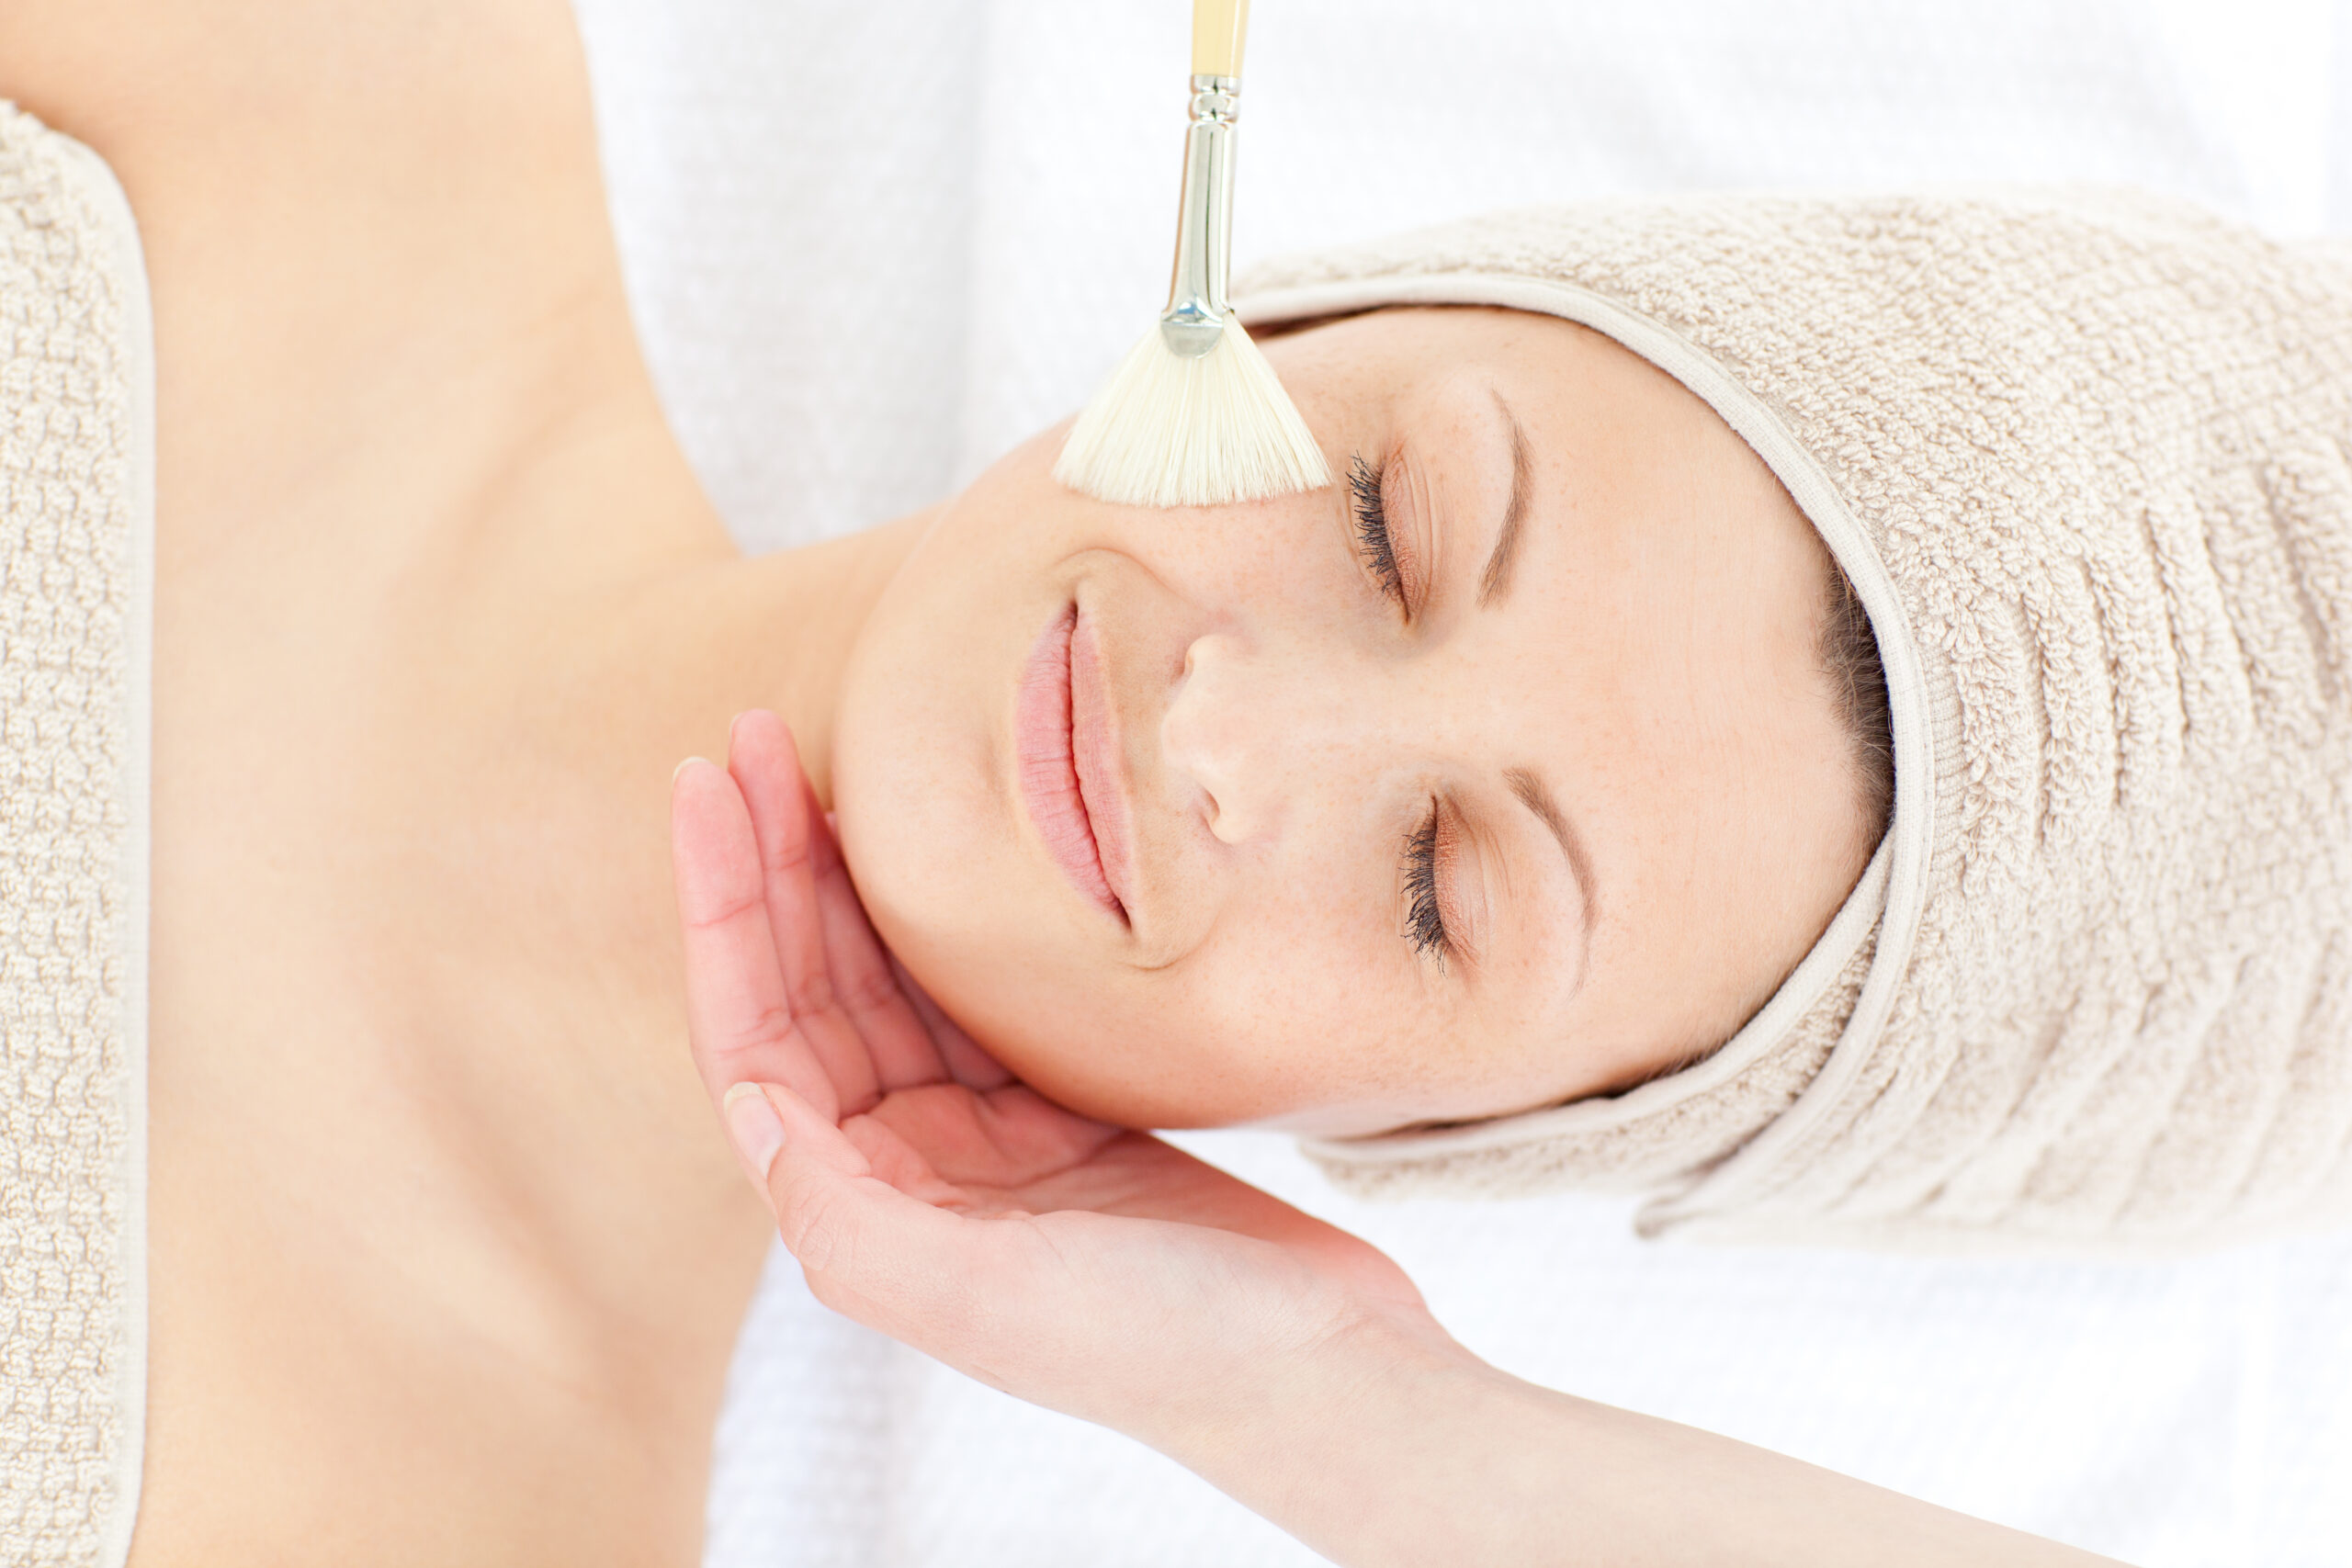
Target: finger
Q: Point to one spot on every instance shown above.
(865, 979)
(1003, 1141)
(739, 1018)
(892, 1261)
(967, 1063)
(1140, 1176)
(766, 766)
(897, 1162)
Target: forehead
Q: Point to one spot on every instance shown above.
(1413, 360)
(1650, 526)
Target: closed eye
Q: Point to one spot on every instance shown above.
(1424, 910)
(1374, 544)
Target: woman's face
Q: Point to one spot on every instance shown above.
(1506, 773)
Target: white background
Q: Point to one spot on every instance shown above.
(870, 245)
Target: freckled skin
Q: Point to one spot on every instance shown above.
(1284, 727)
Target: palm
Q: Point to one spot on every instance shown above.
(787, 984)
(1011, 1151)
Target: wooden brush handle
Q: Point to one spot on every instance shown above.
(1218, 27)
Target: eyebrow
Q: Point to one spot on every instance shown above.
(1536, 796)
(1495, 581)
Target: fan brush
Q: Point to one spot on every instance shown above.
(1194, 415)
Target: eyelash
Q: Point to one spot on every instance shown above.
(1424, 920)
(1373, 542)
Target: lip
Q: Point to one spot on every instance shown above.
(1097, 753)
(1067, 760)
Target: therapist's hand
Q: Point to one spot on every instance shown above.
(1105, 1274)
(928, 1195)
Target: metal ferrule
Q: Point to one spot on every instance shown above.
(1197, 300)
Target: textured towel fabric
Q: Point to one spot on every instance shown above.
(855, 294)
(787, 253)
(2087, 459)
(76, 520)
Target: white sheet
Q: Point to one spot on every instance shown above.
(870, 247)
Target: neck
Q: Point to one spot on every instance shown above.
(774, 631)
(568, 1028)
(662, 681)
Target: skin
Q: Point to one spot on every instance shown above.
(931, 1195)
(447, 1251)
(1650, 656)
(446, 1259)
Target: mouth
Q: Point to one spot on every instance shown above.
(1067, 760)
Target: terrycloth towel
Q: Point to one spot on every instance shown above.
(788, 255)
(2087, 459)
(856, 294)
(76, 569)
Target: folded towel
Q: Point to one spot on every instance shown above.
(2087, 459)
(76, 569)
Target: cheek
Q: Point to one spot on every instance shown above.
(1296, 1018)
(1306, 1009)
(1294, 1009)
(1280, 1012)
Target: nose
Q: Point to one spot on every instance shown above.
(1256, 731)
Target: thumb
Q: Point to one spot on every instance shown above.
(1136, 1323)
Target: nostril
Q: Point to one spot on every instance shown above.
(1212, 649)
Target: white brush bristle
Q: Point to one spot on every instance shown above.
(1168, 430)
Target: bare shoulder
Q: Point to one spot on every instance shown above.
(79, 65)
(274, 81)
(300, 125)
(346, 206)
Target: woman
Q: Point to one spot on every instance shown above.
(441, 1245)
(438, 605)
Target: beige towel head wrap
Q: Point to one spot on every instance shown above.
(2087, 459)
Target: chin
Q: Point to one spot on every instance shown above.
(933, 844)
(1016, 974)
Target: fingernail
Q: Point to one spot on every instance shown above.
(683, 766)
(752, 1124)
